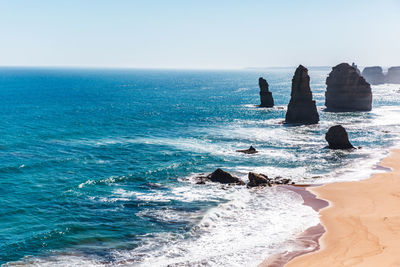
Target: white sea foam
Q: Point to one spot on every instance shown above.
(176, 193)
(249, 226)
(110, 180)
(242, 89)
(252, 225)
(58, 260)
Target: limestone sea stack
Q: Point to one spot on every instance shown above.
(338, 138)
(393, 75)
(301, 108)
(374, 75)
(347, 90)
(266, 98)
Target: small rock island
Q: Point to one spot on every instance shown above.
(338, 138)
(301, 108)
(347, 90)
(267, 101)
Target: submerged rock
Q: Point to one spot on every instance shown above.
(301, 108)
(258, 179)
(347, 90)
(219, 176)
(266, 98)
(393, 75)
(251, 150)
(374, 75)
(338, 138)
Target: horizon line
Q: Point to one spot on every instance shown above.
(168, 68)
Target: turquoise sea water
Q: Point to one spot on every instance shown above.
(97, 165)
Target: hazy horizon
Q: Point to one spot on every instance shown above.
(184, 69)
(206, 35)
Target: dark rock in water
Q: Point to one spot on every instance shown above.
(355, 66)
(301, 108)
(267, 100)
(259, 179)
(347, 90)
(280, 180)
(393, 75)
(374, 75)
(251, 150)
(201, 179)
(256, 179)
(223, 177)
(338, 138)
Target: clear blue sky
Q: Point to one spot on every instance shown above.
(198, 34)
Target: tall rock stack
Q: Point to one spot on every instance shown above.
(347, 90)
(301, 108)
(265, 95)
(393, 75)
(374, 75)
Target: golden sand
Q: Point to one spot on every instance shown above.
(362, 222)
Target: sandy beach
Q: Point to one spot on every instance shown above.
(362, 222)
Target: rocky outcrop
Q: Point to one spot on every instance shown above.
(251, 150)
(355, 66)
(259, 179)
(266, 98)
(219, 176)
(393, 75)
(301, 108)
(347, 90)
(255, 179)
(338, 138)
(374, 75)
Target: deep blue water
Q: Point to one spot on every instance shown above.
(97, 164)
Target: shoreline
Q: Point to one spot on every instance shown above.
(309, 238)
(361, 223)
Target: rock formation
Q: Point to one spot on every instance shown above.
(301, 108)
(393, 75)
(338, 138)
(251, 150)
(265, 95)
(259, 179)
(373, 75)
(256, 179)
(347, 90)
(220, 176)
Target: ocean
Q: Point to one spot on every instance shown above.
(97, 165)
